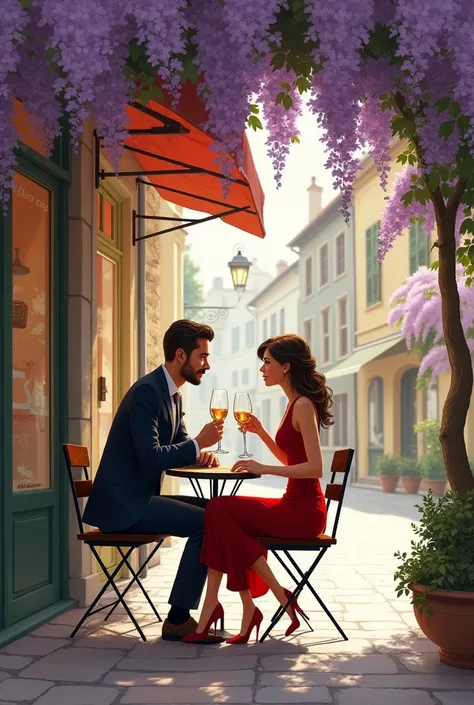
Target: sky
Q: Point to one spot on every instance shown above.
(285, 213)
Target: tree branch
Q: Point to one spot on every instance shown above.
(455, 199)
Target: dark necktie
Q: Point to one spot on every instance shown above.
(175, 413)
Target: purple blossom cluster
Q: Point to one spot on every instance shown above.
(415, 308)
(281, 122)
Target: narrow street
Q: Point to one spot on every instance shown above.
(386, 660)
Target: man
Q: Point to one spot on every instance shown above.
(147, 437)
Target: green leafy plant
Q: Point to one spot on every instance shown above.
(410, 467)
(433, 467)
(443, 557)
(388, 465)
(430, 431)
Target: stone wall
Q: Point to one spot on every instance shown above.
(153, 296)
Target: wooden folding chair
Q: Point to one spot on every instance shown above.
(341, 465)
(78, 457)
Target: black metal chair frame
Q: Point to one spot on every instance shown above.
(300, 577)
(94, 544)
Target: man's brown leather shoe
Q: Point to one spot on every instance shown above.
(175, 632)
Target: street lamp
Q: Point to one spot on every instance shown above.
(239, 267)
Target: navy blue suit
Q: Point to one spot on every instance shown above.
(125, 495)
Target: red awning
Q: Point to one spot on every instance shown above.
(181, 165)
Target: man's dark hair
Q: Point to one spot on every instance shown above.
(184, 335)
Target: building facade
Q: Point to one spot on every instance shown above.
(326, 315)
(75, 290)
(276, 309)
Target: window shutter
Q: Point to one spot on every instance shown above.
(377, 267)
(369, 261)
(413, 248)
(423, 254)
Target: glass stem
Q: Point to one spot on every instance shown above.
(219, 446)
(245, 441)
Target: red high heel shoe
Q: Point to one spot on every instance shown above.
(204, 637)
(293, 609)
(256, 621)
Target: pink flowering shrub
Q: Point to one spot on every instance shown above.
(415, 309)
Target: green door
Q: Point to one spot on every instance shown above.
(34, 535)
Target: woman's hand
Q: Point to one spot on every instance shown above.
(253, 426)
(251, 466)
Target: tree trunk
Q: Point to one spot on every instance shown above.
(458, 399)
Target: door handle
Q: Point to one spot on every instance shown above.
(102, 388)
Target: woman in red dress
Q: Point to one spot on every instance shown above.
(233, 524)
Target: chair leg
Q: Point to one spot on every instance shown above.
(90, 610)
(301, 584)
(136, 579)
(305, 583)
(117, 591)
(296, 581)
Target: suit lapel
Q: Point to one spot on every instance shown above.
(166, 398)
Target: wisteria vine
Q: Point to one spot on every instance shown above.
(360, 65)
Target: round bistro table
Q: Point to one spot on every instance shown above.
(196, 474)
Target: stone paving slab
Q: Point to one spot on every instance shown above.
(19, 690)
(361, 696)
(74, 664)
(78, 695)
(454, 697)
(181, 695)
(290, 695)
(14, 663)
(213, 679)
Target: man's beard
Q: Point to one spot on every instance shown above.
(191, 375)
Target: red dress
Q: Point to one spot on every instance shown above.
(233, 524)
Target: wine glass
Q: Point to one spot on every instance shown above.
(242, 413)
(219, 408)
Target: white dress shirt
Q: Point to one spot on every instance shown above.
(173, 389)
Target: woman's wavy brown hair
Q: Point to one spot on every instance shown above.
(304, 377)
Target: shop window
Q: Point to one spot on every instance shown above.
(31, 355)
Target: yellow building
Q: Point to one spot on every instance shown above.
(388, 403)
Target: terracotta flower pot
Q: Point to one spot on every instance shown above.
(389, 482)
(451, 626)
(411, 484)
(437, 486)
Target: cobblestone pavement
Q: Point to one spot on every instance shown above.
(386, 660)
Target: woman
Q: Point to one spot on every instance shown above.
(233, 523)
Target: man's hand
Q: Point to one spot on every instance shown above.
(211, 433)
(207, 459)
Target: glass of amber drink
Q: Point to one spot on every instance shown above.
(242, 413)
(219, 408)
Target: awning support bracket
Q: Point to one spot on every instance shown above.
(183, 222)
(169, 127)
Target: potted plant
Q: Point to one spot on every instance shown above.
(388, 467)
(410, 473)
(434, 472)
(432, 464)
(439, 573)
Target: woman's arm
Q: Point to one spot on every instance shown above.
(305, 420)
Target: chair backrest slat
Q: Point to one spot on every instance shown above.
(335, 491)
(78, 457)
(83, 487)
